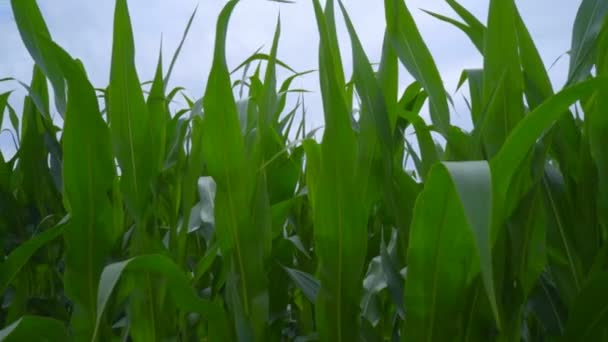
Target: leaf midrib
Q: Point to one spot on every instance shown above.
(562, 234)
(127, 103)
(578, 60)
(436, 268)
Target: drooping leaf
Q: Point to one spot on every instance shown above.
(520, 141)
(476, 36)
(537, 89)
(587, 25)
(20, 255)
(261, 56)
(476, 30)
(416, 57)
(33, 31)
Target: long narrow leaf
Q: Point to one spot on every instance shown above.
(521, 140)
(416, 57)
(88, 178)
(33, 31)
(19, 257)
(587, 25)
(129, 119)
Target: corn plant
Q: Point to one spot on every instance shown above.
(132, 217)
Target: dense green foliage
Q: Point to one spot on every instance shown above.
(132, 220)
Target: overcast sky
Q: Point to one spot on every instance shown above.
(84, 29)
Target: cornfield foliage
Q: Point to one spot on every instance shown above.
(134, 220)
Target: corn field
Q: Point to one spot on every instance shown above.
(127, 218)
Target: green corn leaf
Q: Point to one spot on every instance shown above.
(277, 165)
(416, 57)
(203, 265)
(3, 101)
(194, 164)
(221, 124)
(428, 151)
(35, 329)
(313, 168)
(475, 80)
(589, 317)
(285, 86)
(37, 183)
(388, 77)
(339, 215)
(179, 49)
(537, 89)
(375, 139)
(181, 291)
(475, 36)
(377, 118)
(332, 41)
(88, 178)
(173, 93)
(502, 78)
(157, 106)
(264, 57)
(596, 122)
(537, 85)
(587, 25)
(441, 253)
(513, 248)
(464, 14)
(473, 183)
(13, 263)
(564, 256)
(523, 137)
(33, 31)
(224, 154)
(528, 236)
(476, 29)
(269, 102)
(459, 146)
(129, 119)
(12, 115)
